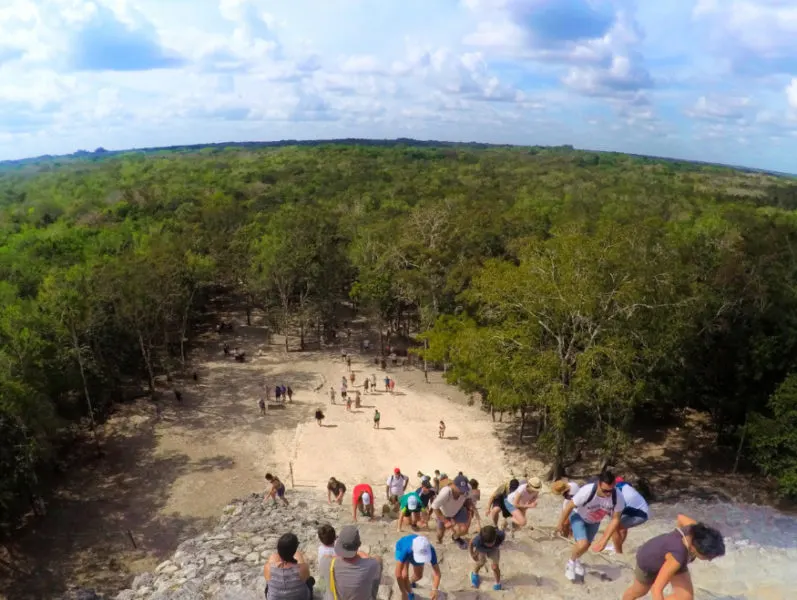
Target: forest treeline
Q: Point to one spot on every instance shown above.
(585, 291)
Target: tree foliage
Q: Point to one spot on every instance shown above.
(583, 290)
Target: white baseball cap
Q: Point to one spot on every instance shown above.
(366, 498)
(412, 502)
(421, 550)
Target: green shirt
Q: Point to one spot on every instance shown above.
(376, 416)
(405, 498)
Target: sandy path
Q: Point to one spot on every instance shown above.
(349, 447)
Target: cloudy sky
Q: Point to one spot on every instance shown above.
(712, 80)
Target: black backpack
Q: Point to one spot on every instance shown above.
(593, 481)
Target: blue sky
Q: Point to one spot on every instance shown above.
(711, 80)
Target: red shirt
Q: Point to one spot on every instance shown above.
(359, 490)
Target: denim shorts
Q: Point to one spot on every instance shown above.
(632, 517)
(581, 529)
(461, 517)
(510, 508)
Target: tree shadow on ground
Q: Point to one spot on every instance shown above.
(85, 536)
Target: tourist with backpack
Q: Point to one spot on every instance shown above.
(396, 486)
(350, 573)
(593, 502)
(635, 513)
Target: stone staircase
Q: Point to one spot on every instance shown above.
(227, 563)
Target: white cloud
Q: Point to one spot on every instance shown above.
(757, 37)
(722, 108)
(364, 64)
(791, 93)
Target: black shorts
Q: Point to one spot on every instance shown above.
(499, 502)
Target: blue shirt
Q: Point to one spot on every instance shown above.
(404, 551)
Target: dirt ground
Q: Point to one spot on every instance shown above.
(166, 477)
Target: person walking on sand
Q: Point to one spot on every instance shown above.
(634, 514)
(486, 545)
(373, 382)
(348, 403)
(348, 363)
(357, 399)
(262, 404)
(392, 385)
(665, 559)
(331, 395)
(352, 377)
(415, 551)
(366, 385)
(277, 489)
(586, 510)
(319, 417)
(289, 392)
(377, 417)
(277, 393)
(387, 383)
(362, 499)
(441, 430)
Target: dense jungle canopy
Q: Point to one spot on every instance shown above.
(588, 291)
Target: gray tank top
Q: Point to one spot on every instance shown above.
(285, 584)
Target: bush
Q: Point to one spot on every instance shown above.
(773, 439)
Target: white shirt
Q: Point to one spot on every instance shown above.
(522, 495)
(599, 507)
(447, 504)
(634, 499)
(396, 484)
(325, 551)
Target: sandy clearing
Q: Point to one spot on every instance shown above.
(349, 447)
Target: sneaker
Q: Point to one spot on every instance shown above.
(579, 569)
(475, 580)
(570, 570)
(413, 584)
(463, 545)
(497, 587)
(410, 596)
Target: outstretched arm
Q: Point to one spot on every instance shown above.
(666, 573)
(435, 580)
(565, 515)
(607, 535)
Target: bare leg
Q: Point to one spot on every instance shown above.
(681, 587)
(497, 573)
(579, 549)
(636, 590)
